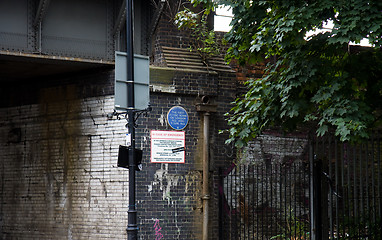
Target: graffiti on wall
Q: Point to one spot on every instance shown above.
(157, 228)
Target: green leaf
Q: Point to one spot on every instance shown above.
(320, 80)
(322, 130)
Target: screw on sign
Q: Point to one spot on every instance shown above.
(158, 234)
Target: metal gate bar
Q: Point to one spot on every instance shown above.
(352, 176)
(262, 199)
(261, 202)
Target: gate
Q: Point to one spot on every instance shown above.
(329, 190)
(267, 195)
(350, 188)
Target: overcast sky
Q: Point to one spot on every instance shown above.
(224, 14)
(222, 19)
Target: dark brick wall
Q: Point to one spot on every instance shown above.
(168, 195)
(169, 192)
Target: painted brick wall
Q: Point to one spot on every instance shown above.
(58, 154)
(169, 195)
(59, 178)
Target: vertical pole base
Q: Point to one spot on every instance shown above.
(132, 233)
(132, 227)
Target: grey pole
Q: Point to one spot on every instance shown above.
(132, 227)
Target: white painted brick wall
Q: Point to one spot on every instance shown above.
(61, 180)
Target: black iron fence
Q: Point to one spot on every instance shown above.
(351, 188)
(264, 202)
(331, 190)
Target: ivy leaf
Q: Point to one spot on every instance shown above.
(322, 130)
(320, 79)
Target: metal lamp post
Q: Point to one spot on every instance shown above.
(132, 227)
(127, 85)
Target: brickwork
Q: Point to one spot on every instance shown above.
(168, 35)
(169, 194)
(58, 154)
(59, 178)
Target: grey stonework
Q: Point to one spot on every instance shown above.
(59, 178)
(58, 153)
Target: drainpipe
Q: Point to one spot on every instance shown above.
(205, 108)
(206, 192)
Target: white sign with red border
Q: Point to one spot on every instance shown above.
(168, 146)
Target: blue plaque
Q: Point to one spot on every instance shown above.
(177, 118)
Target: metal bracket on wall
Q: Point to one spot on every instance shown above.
(120, 115)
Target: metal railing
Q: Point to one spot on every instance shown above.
(273, 199)
(351, 180)
(262, 201)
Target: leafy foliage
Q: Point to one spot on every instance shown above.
(317, 78)
(203, 39)
(294, 229)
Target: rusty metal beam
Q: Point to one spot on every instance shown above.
(50, 57)
(121, 19)
(20, 66)
(41, 11)
(157, 14)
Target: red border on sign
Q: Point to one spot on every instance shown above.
(166, 133)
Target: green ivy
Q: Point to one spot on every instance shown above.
(315, 79)
(203, 39)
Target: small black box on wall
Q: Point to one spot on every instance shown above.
(123, 157)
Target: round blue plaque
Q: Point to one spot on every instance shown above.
(177, 118)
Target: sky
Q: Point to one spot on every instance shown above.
(224, 14)
(222, 19)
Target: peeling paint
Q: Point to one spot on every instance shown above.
(165, 182)
(60, 176)
(163, 88)
(162, 119)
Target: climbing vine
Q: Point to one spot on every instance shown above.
(203, 39)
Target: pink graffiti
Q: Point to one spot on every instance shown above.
(158, 234)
